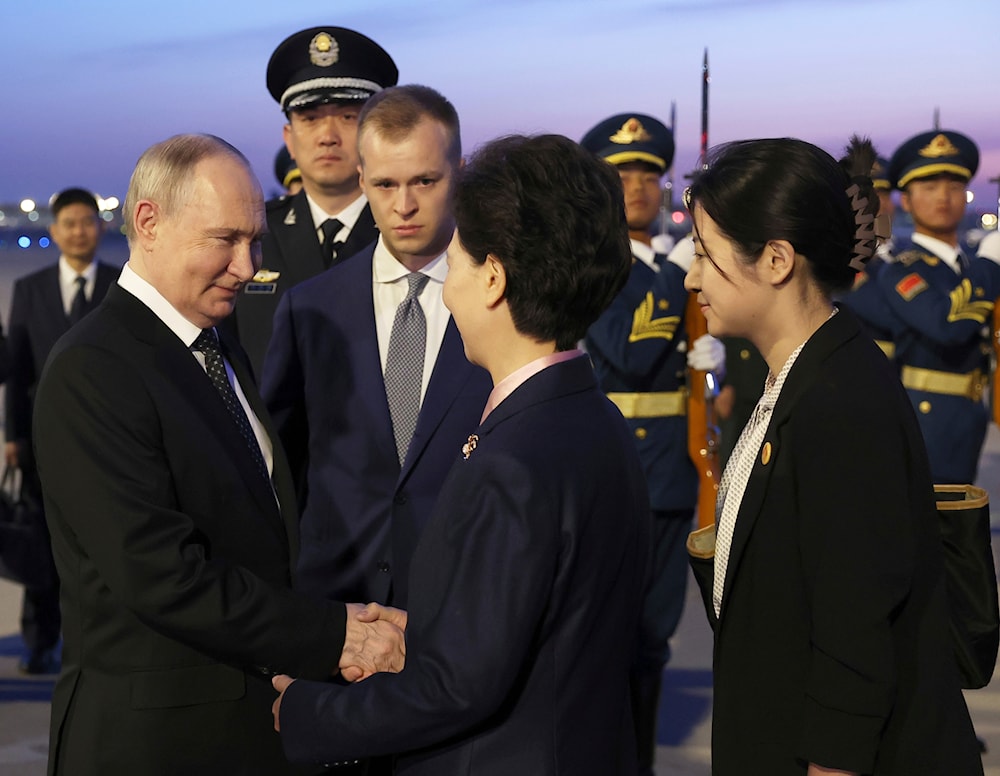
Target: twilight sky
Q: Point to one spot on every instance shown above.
(88, 86)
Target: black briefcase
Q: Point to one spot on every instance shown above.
(964, 513)
(25, 547)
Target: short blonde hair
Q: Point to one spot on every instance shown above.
(163, 172)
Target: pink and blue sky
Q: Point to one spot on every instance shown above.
(87, 86)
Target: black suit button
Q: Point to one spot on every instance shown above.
(384, 567)
(400, 499)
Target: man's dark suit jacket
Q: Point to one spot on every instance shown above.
(37, 320)
(832, 644)
(291, 248)
(174, 557)
(361, 512)
(525, 595)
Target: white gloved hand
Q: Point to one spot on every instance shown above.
(707, 354)
(989, 247)
(683, 254)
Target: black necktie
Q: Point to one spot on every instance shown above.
(79, 306)
(330, 228)
(208, 344)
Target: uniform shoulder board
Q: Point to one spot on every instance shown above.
(906, 258)
(278, 203)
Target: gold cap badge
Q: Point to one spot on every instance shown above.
(938, 147)
(632, 131)
(323, 50)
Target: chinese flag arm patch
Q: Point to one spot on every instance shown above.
(910, 286)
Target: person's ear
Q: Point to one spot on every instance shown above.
(146, 219)
(494, 280)
(904, 201)
(779, 256)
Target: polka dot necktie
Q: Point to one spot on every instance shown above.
(404, 364)
(208, 344)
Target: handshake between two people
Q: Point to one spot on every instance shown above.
(374, 641)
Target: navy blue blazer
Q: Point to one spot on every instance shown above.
(525, 595)
(292, 250)
(37, 320)
(361, 512)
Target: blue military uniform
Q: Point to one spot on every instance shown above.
(638, 347)
(944, 310)
(943, 350)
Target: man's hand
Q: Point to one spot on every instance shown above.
(279, 683)
(374, 641)
(11, 454)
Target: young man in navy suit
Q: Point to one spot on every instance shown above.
(526, 585)
(367, 477)
(45, 304)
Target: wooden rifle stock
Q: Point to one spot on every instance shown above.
(703, 431)
(995, 409)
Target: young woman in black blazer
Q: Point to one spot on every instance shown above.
(825, 584)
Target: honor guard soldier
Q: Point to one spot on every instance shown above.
(320, 77)
(287, 172)
(944, 298)
(866, 298)
(639, 348)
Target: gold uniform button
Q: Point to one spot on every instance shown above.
(640, 433)
(745, 354)
(924, 407)
(663, 304)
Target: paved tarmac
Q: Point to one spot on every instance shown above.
(685, 709)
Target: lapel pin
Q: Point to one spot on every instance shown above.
(469, 446)
(765, 453)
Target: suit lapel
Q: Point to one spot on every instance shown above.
(827, 338)
(357, 305)
(171, 358)
(560, 379)
(281, 475)
(52, 299)
(299, 242)
(452, 371)
(361, 235)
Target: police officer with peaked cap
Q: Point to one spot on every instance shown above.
(639, 348)
(944, 297)
(320, 77)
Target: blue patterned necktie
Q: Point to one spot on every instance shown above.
(208, 344)
(404, 364)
